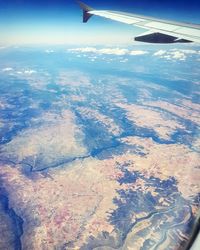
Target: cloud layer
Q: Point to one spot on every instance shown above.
(109, 51)
(176, 54)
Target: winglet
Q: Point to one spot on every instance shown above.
(86, 9)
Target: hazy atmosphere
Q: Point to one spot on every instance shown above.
(59, 22)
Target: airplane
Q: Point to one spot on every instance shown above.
(158, 30)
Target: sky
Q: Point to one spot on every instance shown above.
(60, 21)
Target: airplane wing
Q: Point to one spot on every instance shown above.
(157, 30)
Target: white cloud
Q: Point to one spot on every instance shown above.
(115, 51)
(138, 52)
(84, 50)
(29, 72)
(160, 53)
(48, 51)
(108, 51)
(124, 61)
(2, 47)
(171, 54)
(26, 72)
(7, 69)
(176, 54)
(189, 51)
(19, 72)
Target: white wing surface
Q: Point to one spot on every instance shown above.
(157, 30)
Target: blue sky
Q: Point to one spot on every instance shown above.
(59, 21)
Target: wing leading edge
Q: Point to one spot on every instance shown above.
(158, 30)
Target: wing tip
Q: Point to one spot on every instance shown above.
(86, 9)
